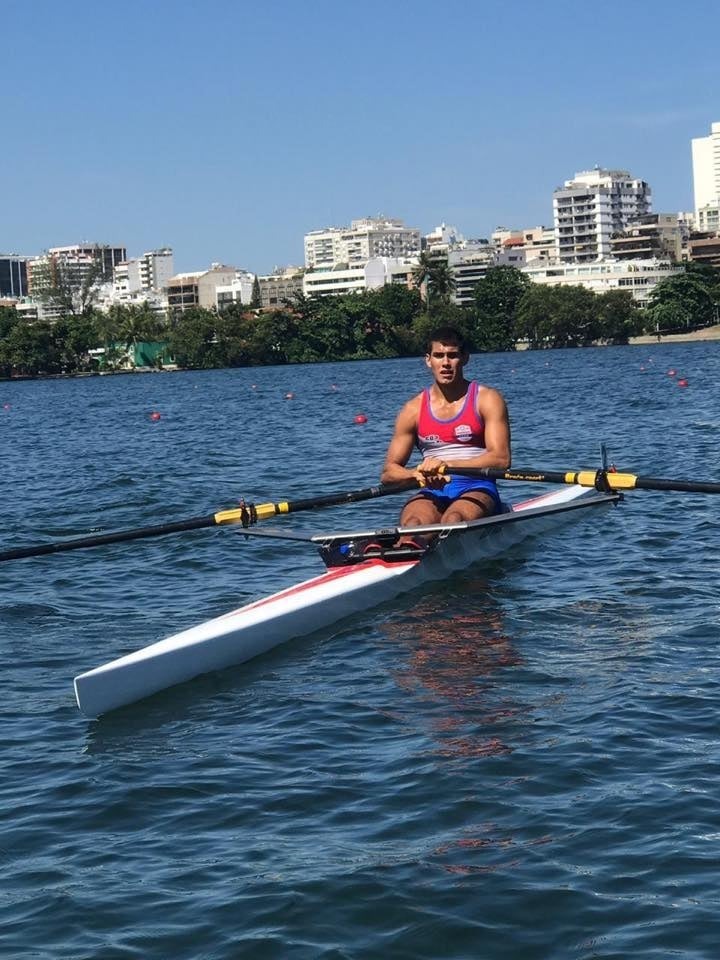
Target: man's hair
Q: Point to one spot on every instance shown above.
(447, 335)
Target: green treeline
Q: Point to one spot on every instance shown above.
(392, 321)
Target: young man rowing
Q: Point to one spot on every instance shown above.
(454, 422)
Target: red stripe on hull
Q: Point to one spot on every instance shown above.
(337, 573)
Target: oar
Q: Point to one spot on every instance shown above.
(600, 479)
(246, 515)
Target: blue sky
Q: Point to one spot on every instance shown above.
(227, 130)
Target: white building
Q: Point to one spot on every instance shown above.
(442, 239)
(361, 241)
(151, 271)
(239, 290)
(638, 277)
(706, 179)
(591, 207)
(371, 275)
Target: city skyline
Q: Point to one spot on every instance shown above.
(230, 133)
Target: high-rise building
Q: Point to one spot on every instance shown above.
(363, 240)
(593, 206)
(105, 256)
(13, 276)
(706, 179)
(151, 271)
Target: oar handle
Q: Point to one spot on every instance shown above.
(250, 513)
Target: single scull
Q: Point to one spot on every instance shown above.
(349, 585)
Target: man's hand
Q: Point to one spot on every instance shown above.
(431, 473)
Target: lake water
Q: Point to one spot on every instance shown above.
(522, 762)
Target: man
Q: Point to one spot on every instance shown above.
(453, 423)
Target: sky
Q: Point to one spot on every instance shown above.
(228, 130)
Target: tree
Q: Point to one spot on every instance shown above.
(64, 289)
(193, 340)
(497, 297)
(618, 317)
(76, 337)
(534, 316)
(690, 294)
(437, 277)
(575, 317)
(32, 348)
(256, 297)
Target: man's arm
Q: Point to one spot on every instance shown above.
(402, 443)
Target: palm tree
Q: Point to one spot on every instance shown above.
(436, 276)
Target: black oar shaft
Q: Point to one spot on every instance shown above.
(98, 540)
(246, 514)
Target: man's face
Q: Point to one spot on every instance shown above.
(446, 361)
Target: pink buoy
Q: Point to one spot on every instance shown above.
(289, 396)
(671, 373)
(6, 406)
(682, 382)
(155, 416)
(359, 418)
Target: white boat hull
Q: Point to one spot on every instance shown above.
(251, 630)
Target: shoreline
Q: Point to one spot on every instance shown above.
(707, 333)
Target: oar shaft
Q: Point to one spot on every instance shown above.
(589, 478)
(246, 515)
(98, 540)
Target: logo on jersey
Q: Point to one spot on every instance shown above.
(431, 438)
(463, 433)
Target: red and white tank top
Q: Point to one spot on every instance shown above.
(459, 438)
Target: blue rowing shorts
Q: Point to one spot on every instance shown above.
(457, 487)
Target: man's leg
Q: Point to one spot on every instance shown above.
(470, 507)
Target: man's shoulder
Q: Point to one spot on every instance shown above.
(411, 408)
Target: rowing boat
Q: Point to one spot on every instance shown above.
(353, 581)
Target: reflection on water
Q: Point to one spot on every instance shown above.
(451, 658)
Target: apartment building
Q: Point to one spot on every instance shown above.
(706, 179)
(238, 291)
(468, 265)
(103, 255)
(371, 275)
(656, 235)
(593, 206)
(186, 290)
(13, 276)
(638, 277)
(151, 271)
(281, 287)
(363, 240)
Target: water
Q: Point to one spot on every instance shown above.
(520, 763)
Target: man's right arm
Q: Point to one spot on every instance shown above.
(402, 443)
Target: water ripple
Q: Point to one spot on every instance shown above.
(521, 762)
